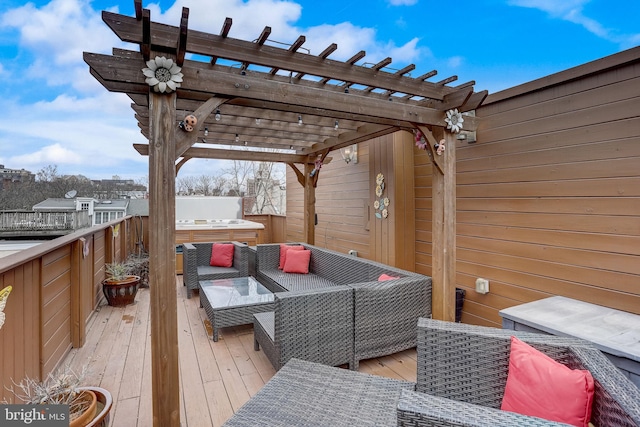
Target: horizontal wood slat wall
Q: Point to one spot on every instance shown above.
(549, 195)
(55, 289)
(342, 199)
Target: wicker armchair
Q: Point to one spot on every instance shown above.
(197, 257)
(314, 325)
(462, 373)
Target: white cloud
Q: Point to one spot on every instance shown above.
(402, 2)
(455, 61)
(572, 11)
(51, 154)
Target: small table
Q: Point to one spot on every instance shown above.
(232, 302)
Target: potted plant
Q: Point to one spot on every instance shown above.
(121, 285)
(88, 406)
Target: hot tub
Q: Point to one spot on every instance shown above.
(216, 230)
(206, 224)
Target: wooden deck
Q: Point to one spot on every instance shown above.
(216, 378)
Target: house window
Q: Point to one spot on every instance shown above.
(98, 217)
(84, 206)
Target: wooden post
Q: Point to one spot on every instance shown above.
(162, 261)
(444, 230)
(309, 205)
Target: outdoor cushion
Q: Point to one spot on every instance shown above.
(283, 252)
(384, 277)
(222, 255)
(539, 386)
(297, 262)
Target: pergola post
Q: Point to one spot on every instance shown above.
(309, 205)
(162, 261)
(444, 229)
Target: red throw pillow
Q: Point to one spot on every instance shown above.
(283, 252)
(385, 276)
(540, 387)
(222, 255)
(297, 262)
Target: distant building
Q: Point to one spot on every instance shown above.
(9, 177)
(264, 194)
(100, 211)
(118, 188)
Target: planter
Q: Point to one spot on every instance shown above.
(90, 413)
(121, 292)
(105, 402)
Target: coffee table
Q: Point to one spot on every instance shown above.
(232, 302)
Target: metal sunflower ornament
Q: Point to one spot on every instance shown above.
(454, 120)
(163, 75)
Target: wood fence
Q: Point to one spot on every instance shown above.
(57, 285)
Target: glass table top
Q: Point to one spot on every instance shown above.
(235, 292)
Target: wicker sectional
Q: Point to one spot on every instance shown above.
(383, 314)
(197, 258)
(461, 376)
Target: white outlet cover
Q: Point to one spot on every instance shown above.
(482, 285)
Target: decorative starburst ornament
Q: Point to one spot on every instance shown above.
(454, 120)
(163, 75)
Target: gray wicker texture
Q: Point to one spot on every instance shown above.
(468, 363)
(419, 409)
(385, 313)
(314, 325)
(197, 259)
(306, 394)
(309, 394)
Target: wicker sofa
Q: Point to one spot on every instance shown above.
(384, 312)
(461, 376)
(196, 264)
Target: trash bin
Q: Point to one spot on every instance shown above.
(460, 293)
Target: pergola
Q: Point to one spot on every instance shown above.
(258, 101)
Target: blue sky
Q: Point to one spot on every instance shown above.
(56, 113)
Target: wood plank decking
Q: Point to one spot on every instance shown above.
(216, 378)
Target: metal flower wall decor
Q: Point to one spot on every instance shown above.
(381, 204)
(163, 75)
(454, 120)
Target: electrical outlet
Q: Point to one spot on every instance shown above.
(482, 285)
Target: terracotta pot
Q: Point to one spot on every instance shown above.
(89, 414)
(105, 403)
(121, 293)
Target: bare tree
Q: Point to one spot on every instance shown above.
(238, 174)
(186, 184)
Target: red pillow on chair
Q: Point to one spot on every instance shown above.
(283, 252)
(297, 262)
(540, 387)
(222, 255)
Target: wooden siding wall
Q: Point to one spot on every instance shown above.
(423, 211)
(56, 287)
(342, 200)
(275, 227)
(549, 196)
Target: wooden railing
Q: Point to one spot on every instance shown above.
(56, 287)
(13, 224)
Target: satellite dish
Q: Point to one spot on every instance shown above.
(70, 194)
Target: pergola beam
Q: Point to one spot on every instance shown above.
(164, 36)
